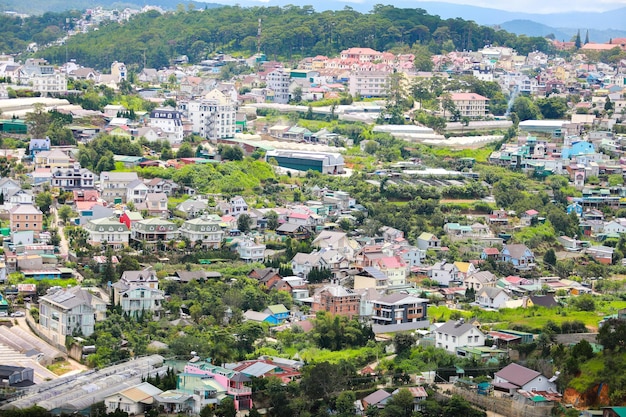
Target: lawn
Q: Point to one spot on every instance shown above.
(60, 368)
(535, 318)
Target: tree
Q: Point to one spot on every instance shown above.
(550, 257)
(577, 41)
(44, 201)
(552, 107)
(345, 404)
(296, 96)
(525, 108)
(244, 222)
(403, 342)
(65, 212)
(400, 404)
(185, 151)
(272, 220)
(38, 121)
(612, 335)
(582, 350)
(226, 408)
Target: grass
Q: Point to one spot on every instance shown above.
(60, 368)
(362, 355)
(534, 318)
(590, 375)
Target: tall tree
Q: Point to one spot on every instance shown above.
(577, 41)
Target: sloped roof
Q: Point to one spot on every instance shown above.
(455, 328)
(517, 374)
(377, 397)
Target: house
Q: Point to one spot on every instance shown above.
(25, 217)
(135, 400)
(266, 276)
(293, 230)
(232, 381)
(444, 273)
(602, 254)
(515, 377)
(160, 185)
(335, 299)
(68, 312)
(394, 268)
(492, 297)
(136, 192)
(156, 204)
(470, 105)
(519, 255)
(370, 277)
(454, 334)
(465, 269)
(338, 241)
(427, 241)
(113, 185)
(129, 218)
(107, 231)
(192, 208)
(399, 312)
(547, 301)
(480, 279)
(137, 292)
(152, 231)
(529, 217)
(490, 254)
(377, 399)
(36, 146)
(614, 411)
(205, 230)
(250, 251)
(419, 395)
(277, 312)
(74, 178)
(201, 275)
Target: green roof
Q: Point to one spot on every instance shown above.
(277, 309)
(620, 411)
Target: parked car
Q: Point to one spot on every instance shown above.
(18, 314)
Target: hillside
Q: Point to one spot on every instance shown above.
(531, 28)
(289, 32)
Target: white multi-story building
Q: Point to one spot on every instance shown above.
(49, 83)
(109, 231)
(169, 121)
(137, 292)
(205, 229)
(251, 251)
(68, 311)
(212, 117)
(114, 184)
(470, 105)
(278, 81)
(70, 179)
(369, 83)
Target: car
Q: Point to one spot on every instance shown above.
(18, 314)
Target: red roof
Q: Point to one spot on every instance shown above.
(468, 97)
(532, 212)
(491, 251)
(302, 216)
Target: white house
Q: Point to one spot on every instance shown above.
(250, 251)
(492, 297)
(513, 377)
(455, 334)
(427, 241)
(108, 230)
(132, 400)
(444, 273)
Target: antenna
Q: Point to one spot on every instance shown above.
(258, 39)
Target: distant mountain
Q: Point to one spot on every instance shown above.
(530, 28)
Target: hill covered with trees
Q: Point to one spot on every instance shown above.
(288, 32)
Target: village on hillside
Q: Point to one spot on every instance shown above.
(348, 235)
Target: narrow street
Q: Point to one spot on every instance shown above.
(64, 247)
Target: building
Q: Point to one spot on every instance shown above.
(155, 204)
(492, 297)
(152, 231)
(213, 117)
(25, 217)
(324, 162)
(68, 312)
(36, 146)
(427, 241)
(118, 71)
(135, 400)
(399, 312)
(136, 192)
(369, 83)
(205, 230)
(16, 376)
(233, 382)
(113, 185)
(137, 292)
(394, 268)
(278, 81)
(49, 83)
(519, 255)
(455, 334)
(169, 121)
(107, 231)
(335, 299)
(250, 251)
(470, 105)
(75, 178)
(514, 377)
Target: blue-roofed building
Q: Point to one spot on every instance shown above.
(38, 145)
(277, 313)
(575, 208)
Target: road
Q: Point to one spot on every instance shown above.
(64, 247)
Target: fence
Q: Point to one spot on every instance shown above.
(500, 405)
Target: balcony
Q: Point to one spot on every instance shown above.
(240, 391)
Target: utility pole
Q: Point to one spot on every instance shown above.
(258, 39)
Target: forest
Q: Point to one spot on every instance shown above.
(152, 39)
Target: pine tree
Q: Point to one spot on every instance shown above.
(577, 41)
(587, 37)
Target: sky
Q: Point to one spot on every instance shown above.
(542, 6)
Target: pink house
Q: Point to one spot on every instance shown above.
(232, 380)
